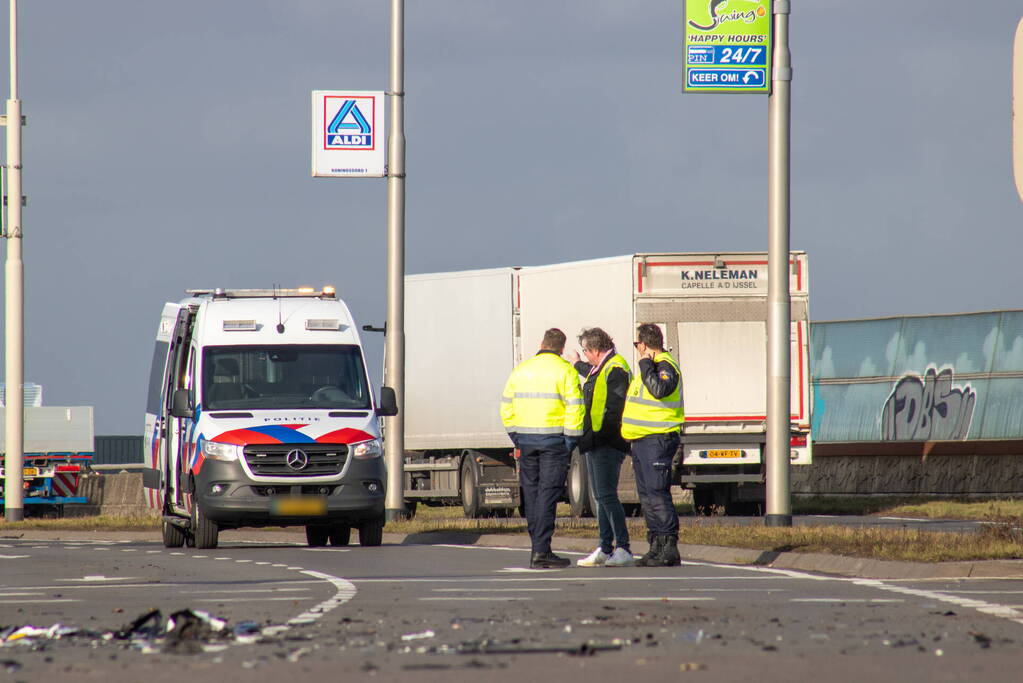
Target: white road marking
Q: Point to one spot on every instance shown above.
(221, 558)
(13, 557)
(96, 578)
(510, 598)
(328, 550)
(18, 594)
(845, 600)
(245, 590)
(35, 601)
(495, 590)
(291, 599)
(345, 592)
(242, 561)
(658, 599)
(986, 592)
(536, 575)
(1003, 611)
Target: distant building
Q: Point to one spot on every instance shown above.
(32, 397)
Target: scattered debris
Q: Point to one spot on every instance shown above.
(418, 636)
(692, 666)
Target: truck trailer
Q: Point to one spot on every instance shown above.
(467, 330)
(58, 450)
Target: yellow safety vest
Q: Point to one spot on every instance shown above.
(599, 402)
(543, 396)
(645, 414)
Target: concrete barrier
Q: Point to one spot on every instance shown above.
(120, 494)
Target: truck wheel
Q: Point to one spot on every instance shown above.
(204, 532)
(340, 534)
(173, 536)
(579, 494)
(470, 493)
(371, 532)
(316, 536)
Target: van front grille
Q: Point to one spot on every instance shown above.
(296, 460)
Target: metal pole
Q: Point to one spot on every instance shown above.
(394, 444)
(779, 506)
(14, 319)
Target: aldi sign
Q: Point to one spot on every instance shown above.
(348, 134)
(727, 46)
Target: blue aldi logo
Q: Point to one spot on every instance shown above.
(349, 122)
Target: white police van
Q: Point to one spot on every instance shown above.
(259, 413)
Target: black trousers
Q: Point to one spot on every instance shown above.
(651, 461)
(542, 471)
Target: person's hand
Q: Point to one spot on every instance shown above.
(648, 353)
(573, 356)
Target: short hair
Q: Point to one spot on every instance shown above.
(553, 340)
(650, 335)
(595, 339)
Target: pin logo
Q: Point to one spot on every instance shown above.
(349, 127)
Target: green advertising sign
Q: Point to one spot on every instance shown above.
(727, 46)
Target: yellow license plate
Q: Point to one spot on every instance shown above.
(30, 472)
(299, 506)
(725, 453)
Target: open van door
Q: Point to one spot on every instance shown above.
(162, 437)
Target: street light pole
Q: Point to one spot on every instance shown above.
(394, 444)
(779, 356)
(14, 319)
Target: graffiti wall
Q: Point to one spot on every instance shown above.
(918, 378)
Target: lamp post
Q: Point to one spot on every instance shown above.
(14, 319)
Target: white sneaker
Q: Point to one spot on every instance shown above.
(619, 558)
(595, 559)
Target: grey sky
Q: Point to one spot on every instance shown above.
(168, 148)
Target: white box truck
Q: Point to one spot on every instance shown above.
(466, 330)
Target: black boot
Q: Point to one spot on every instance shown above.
(669, 551)
(651, 559)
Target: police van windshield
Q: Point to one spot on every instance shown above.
(283, 377)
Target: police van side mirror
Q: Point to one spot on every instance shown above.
(180, 406)
(388, 403)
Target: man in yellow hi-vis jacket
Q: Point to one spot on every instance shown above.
(542, 410)
(652, 422)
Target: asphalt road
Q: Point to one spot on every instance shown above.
(434, 612)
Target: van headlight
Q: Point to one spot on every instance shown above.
(368, 449)
(228, 452)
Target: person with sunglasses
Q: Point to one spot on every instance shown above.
(652, 423)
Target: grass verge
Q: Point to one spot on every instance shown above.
(1002, 539)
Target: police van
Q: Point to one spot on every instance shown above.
(259, 413)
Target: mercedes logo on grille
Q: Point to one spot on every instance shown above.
(297, 459)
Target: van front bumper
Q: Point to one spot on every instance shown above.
(227, 496)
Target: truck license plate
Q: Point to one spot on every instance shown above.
(725, 453)
(30, 472)
(299, 506)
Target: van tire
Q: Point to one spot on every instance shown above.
(173, 536)
(339, 534)
(371, 532)
(204, 532)
(316, 536)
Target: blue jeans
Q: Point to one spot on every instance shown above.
(651, 461)
(604, 464)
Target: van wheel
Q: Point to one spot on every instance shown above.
(316, 536)
(204, 532)
(371, 532)
(339, 534)
(580, 498)
(470, 493)
(173, 536)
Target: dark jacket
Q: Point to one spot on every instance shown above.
(610, 433)
(660, 378)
